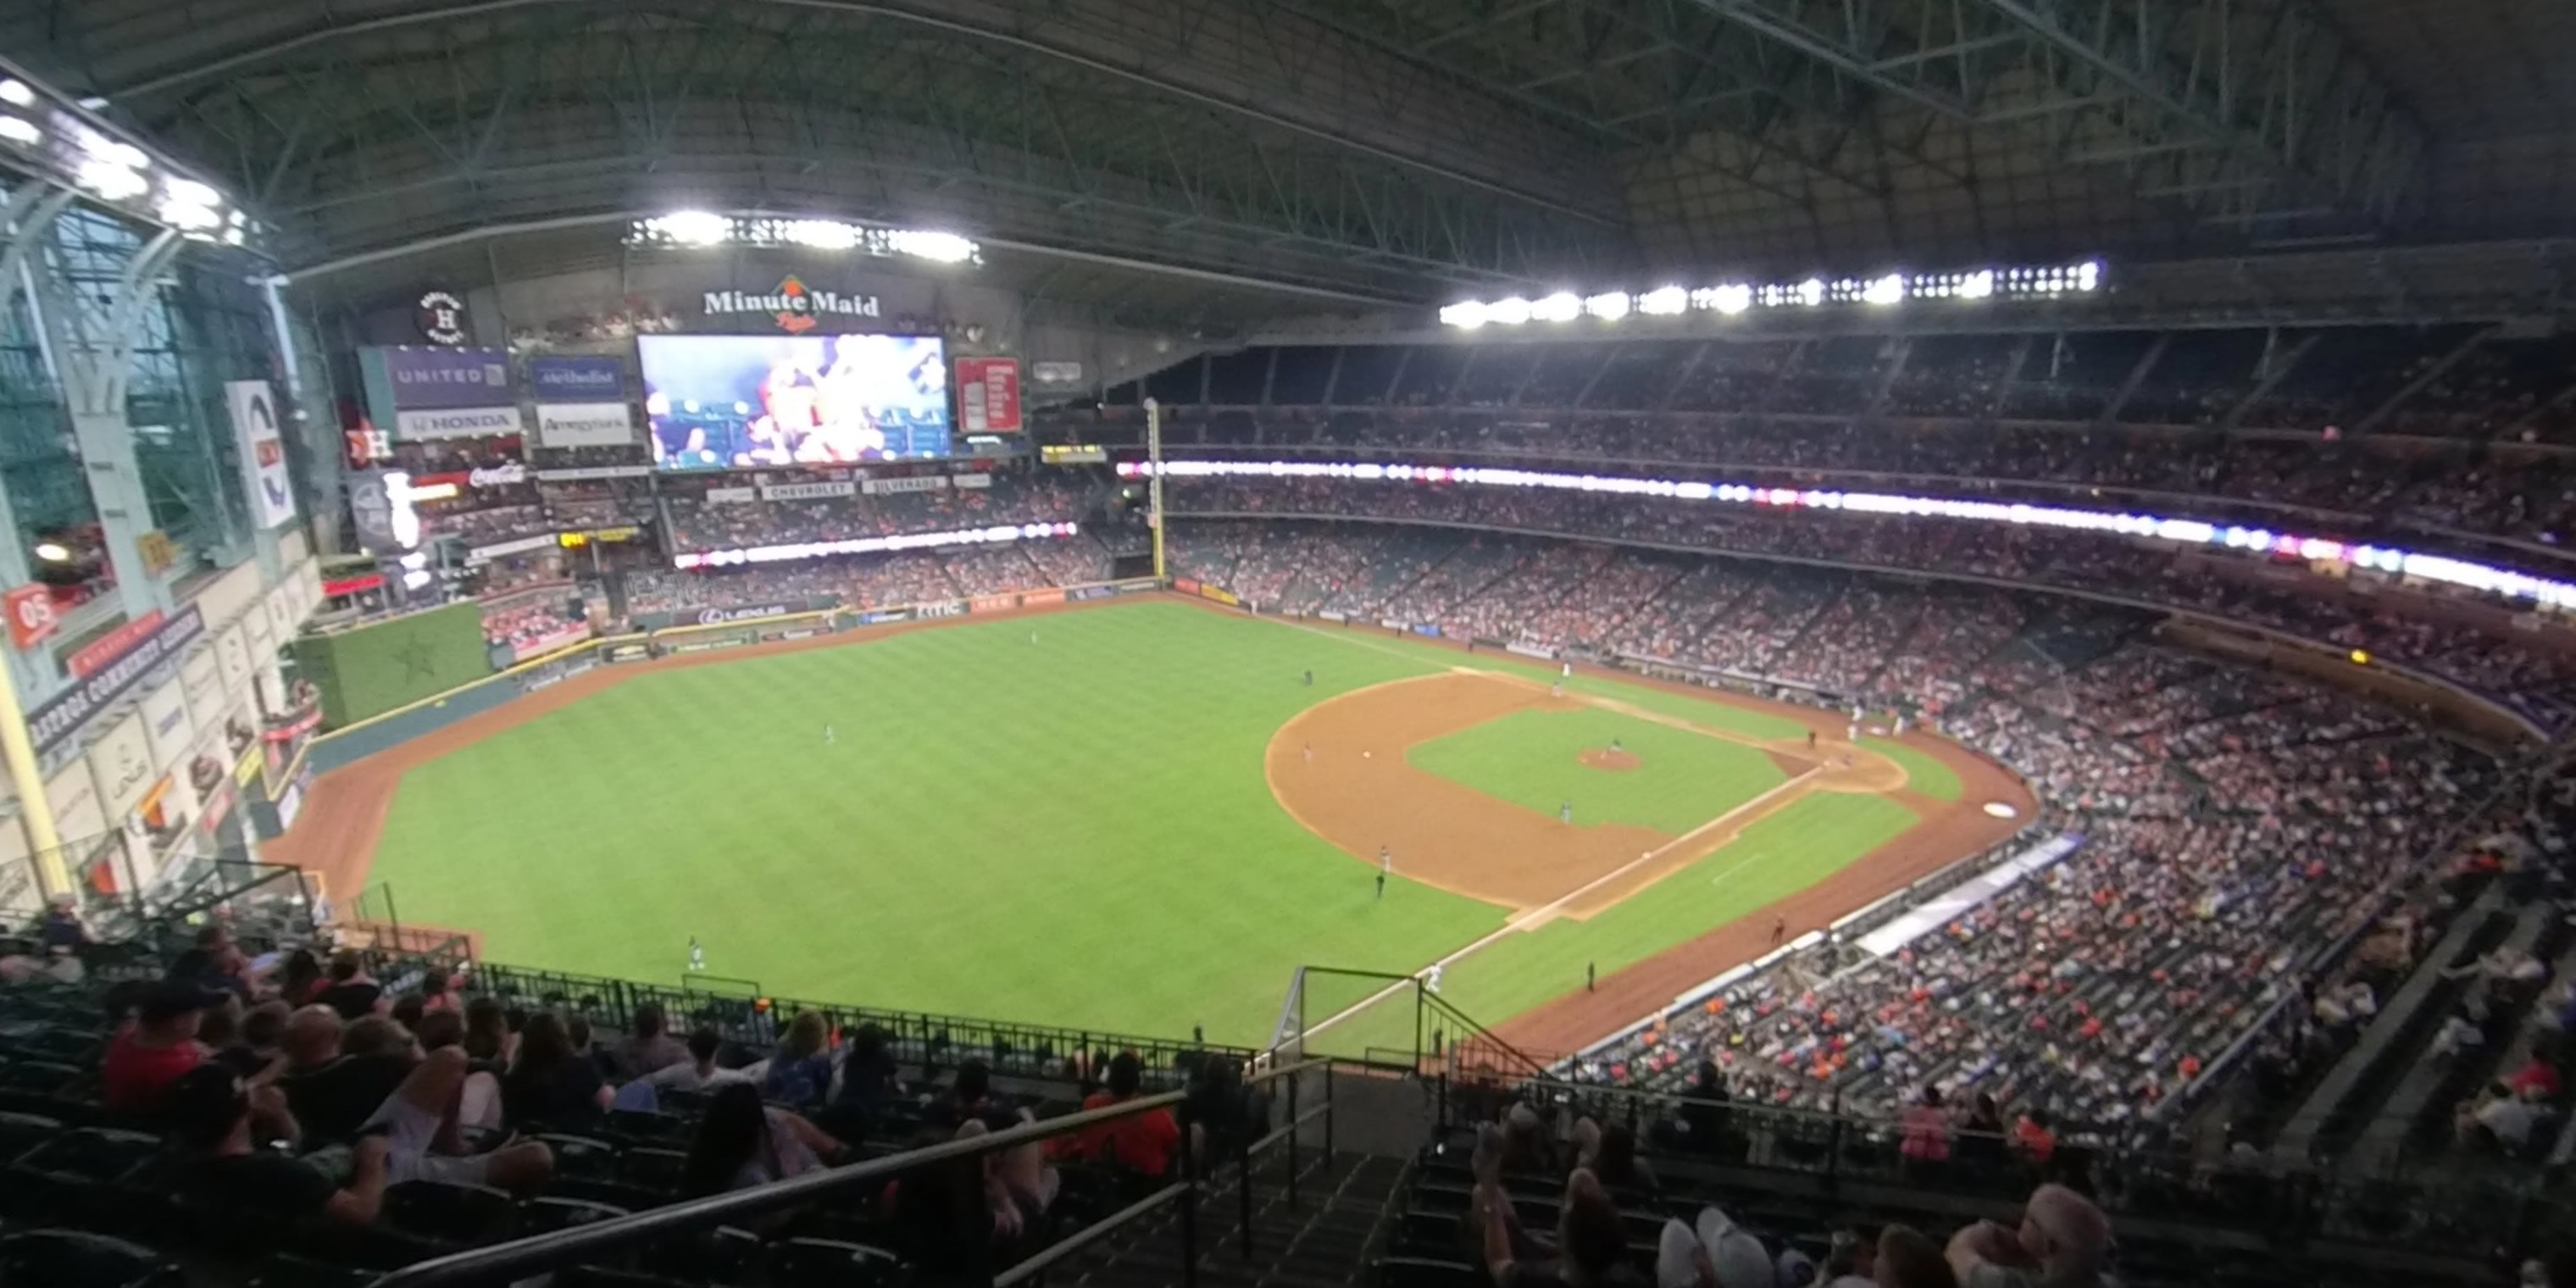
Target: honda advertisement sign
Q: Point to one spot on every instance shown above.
(440, 393)
(581, 402)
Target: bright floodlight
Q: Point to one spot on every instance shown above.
(1885, 290)
(1811, 292)
(15, 93)
(820, 234)
(1508, 312)
(188, 217)
(1610, 305)
(52, 551)
(1732, 298)
(694, 227)
(1663, 301)
(1465, 313)
(2088, 275)
(109, 180)
(191, 192)
(1560, 307)
(18, 129)
(945, 248)
(1979, 285)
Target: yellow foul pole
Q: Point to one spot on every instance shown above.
(34, 807)
(1154, 480)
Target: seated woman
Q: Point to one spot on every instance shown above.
(741, 1143)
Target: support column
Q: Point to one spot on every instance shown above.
(94, 357)
(25, 220)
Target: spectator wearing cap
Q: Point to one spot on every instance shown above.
(214, 1120)
(1713, 1252)
(155, 1049)
(2063, 1242)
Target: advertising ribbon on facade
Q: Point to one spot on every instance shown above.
(581, 402)
(988, 395)
(263, 452)
(62, 717)
(440, 393)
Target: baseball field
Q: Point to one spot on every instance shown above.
(1139, 816)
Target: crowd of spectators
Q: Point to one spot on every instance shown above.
(877, 580)
(1781, 414)
(700, 524)
(297, 1091)
(524, 623)
(2230, 819)
(2526, 672)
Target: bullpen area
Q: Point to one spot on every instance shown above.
(1126, 814)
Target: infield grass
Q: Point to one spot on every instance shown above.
(1533, 759)
(1810, 839)
(1073, 832)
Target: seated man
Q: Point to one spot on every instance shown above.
(214, 1119)
(156, 1048)
(334, 1081)
(418, 1122)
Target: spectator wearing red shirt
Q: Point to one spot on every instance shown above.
(2033, 1138)
(156, 1049)
(2538, 1075)
(1143, 1142)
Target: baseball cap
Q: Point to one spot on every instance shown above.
(1739, 1258)
(201, 1106)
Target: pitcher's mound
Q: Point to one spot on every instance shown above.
(1617, 762)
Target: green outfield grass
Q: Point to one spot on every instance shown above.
(1814, 837)
(1075, 831)
(1533, 759)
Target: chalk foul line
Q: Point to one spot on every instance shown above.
(1529, 919)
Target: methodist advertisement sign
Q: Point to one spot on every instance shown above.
(581, 402)
(440, 393)
(263, 451)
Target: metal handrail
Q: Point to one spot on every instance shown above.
(519, 1258)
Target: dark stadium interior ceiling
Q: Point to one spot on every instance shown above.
(1363, 152)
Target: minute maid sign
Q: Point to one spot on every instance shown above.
(793, 305)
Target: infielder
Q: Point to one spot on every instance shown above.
(1565, 812)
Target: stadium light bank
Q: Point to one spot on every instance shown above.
(1731, 298)
(2190, 532)
(49, 135)
(700, 228)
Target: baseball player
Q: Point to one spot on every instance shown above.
(697, 954)
(1565, 812)
(830, 736)
(1431, 978)
(1385, 861)
(1310, 753)
(1310, 679)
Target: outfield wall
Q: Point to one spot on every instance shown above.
(676, 634)
(367, 670)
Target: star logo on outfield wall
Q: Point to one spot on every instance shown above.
(417, 663)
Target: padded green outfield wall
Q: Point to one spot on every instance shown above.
(371, 669)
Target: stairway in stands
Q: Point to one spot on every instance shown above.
(1324, 1241)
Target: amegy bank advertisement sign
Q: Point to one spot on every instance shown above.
(440, 393)
(581, 402)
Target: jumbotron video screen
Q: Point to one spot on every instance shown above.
(730, 401)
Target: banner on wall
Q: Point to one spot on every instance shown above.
(440, 393)
(917, 483)
(31, 615)
(988, 395)
(62, 717)
(805, 491)
(263, 452)
(581, 402)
